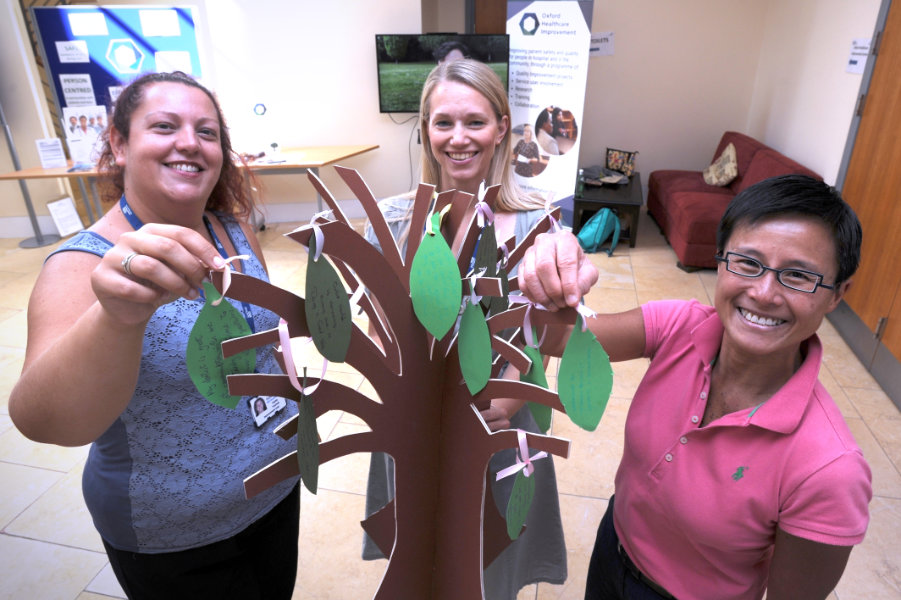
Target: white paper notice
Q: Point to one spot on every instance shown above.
(77, 89)
(65, 217)
(51, 152)
(548, 70)
(84, 24)
(73, 51)
(860, 49)
(601, 44)
(159, 23)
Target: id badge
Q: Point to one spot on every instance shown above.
(263, 408)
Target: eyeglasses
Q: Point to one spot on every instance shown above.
(796, 279)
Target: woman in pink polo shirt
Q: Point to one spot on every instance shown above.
(739, 476)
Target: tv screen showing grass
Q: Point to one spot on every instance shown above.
(405, 60)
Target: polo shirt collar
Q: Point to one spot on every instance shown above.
(783, 411)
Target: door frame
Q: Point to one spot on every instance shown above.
(876, 358)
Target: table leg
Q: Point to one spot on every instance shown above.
(634, 213)
(87, 200)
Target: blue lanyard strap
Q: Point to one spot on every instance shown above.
(136, 224)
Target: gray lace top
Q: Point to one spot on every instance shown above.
(168, 474)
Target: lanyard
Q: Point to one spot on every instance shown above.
(136, 223)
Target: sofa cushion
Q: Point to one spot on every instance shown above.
(745, 149)
(724, 169)
(697, 214)
(769, 163)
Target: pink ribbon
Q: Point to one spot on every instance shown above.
(284, 339)
(483, 214)
(527, 320)
(227, 276)
(523, 460)
(586, 314)
(555, 225)
(317, 233)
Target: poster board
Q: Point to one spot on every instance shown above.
(92, 52)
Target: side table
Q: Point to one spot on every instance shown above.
(623, 199)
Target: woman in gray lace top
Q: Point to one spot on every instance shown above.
(108, 326)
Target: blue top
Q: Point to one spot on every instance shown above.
(168, 473)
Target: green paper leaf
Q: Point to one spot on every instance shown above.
(206, 366)
(537, 376)
(307, 444)
(474, 348)
(435, 285)
(585, 378)
(519, 504)
(327, 308)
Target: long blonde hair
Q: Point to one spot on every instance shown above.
(484, 80)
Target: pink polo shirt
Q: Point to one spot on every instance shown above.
(697, 508)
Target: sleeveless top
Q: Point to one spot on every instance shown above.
(168, 473)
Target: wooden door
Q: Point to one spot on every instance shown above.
(873, 187)
(490, 16)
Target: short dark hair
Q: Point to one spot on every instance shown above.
(797, 195)
(446, 48)
(230, 192)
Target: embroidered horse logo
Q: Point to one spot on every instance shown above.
(739, 473)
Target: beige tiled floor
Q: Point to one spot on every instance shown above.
(49, 548)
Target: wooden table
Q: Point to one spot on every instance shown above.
(87, 176)
(623, 199)
(290, 161)
(300, 160)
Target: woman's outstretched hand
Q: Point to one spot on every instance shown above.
(555, 272)
(150, 267)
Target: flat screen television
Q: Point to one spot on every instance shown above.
(405, 60)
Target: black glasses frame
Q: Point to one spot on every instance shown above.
(763, 269)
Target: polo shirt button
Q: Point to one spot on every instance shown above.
(683, 439)
(668, 457)
(703, 395)
(694, 419)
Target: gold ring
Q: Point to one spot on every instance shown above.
(126, 262)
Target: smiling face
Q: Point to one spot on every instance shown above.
(463, 134)
(173, 155)
(763, 318)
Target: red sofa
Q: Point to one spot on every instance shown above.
(688, 210)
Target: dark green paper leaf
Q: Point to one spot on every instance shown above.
(585, 378)
(519, 504)
(500, 303)
(206, 366)
(486, 257)
(307, 444)
(327, 308)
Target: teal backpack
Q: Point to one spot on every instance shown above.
(597, 229)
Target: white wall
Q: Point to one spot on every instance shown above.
(803, 99)
(686, 71)
(683, 73)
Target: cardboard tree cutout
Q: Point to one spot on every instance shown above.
(443, 527)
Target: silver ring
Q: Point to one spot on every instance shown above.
(126, 262)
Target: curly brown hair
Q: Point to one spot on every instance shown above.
(230, 194)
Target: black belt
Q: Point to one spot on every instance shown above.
(637, 574)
